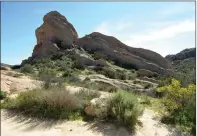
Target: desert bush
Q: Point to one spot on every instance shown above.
(56, 103)
(45, 62)
(67, 73)
(125, 109)
(107, 72)
(180, 102)
(2, 95)
(78, 65)
(110, 89)
(72, 79)
(145, 100)
(147, 85)
(27, 68)
(48, 76)
(98, 55)
(87, 79)
(87, 94)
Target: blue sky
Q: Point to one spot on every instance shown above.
(164, 27)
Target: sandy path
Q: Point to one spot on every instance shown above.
(18, 126)
(12, 125)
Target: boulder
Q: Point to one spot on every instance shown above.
(98, 107)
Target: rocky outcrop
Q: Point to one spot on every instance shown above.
(56, 33)
(123, 55)
(185, 54)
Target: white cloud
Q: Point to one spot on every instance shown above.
(110, 27)
(163, 33)
(159, 39)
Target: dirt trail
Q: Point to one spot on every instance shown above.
(15, 125)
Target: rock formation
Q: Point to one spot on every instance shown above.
(54, 34)
(57, 34)
(185, 54)
(123, 55)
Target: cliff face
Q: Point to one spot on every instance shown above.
(57, 34)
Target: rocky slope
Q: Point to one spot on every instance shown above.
(57, 34)
(185, 54)
(184, 65)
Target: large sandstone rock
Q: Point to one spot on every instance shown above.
(123, 55)
(55, 34)
(55, 27)
(98, 107)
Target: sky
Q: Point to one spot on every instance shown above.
(163, 27)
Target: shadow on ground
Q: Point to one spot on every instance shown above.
(107, 129)
(30, 122)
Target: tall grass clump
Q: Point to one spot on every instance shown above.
(125, 109)
(27, 68)
(55, 103)
(87, 94)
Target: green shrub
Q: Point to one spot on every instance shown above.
(98, 55)
(72, 79)
(110, 89)
(107, 72)
(145, 100)
(45, 62)
(147, 85)
(125, 109)
(78, 65)
(87, 79)
(56, 103)
(27, 68)
(48, 76)
(87, 94)
(67, 73)
(180, 102)
(2, 95)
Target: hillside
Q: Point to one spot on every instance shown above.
(184, 65)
